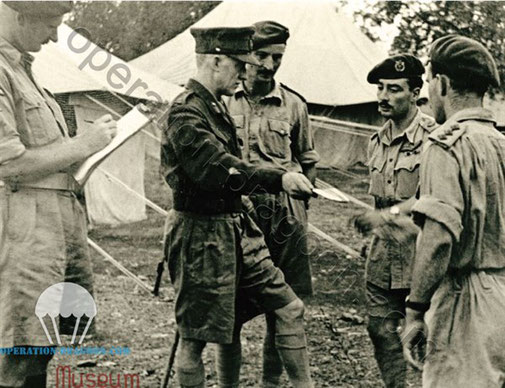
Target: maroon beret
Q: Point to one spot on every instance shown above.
(460, 57)
(269, 32)
(397, 66)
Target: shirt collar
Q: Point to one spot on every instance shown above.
(10, 52)
(202, 91)
(275, 93)
(410, 132)
(207, 96)
(478, 113)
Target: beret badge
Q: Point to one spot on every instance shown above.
(400, 66)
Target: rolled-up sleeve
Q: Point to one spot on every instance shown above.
(304, 150)
(11, 146)
(441, 196)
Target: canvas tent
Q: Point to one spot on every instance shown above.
(86, 77)
(326, 60)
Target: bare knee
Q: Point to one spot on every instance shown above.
(291, 312)
(190, 353)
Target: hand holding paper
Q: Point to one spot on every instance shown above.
(102, 133)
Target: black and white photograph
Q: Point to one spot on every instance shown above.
(239, 193)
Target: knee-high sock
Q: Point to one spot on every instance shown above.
(388, 351)
(291, 344)
(191, 377)
(295, 358)
(272, 363)
(189, 368)
(228, 362)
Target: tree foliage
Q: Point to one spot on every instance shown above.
(421, 22)
(131, 28)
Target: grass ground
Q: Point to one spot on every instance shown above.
(341, 353)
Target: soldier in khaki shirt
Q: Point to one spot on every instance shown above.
(42, 226)
(460, 262)
(394, 158)
(273, 125)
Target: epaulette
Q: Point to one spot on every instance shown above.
(294, 92)
(428, 123)
(446, 137)
(182, 98)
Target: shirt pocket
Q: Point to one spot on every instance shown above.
(275, 138)
(212, 260)
(239, 121)
(42, 127)
(376, 166)
(407, 173)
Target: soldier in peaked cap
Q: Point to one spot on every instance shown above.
(459, 275)
(273, 127)
(394, 156)
(42, 225)
(219, 264)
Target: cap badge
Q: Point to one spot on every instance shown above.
(399, 66)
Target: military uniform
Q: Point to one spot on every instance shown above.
(394, 159)
(42, 225)
(275, 132)
(465, 321)
(394, 176)
(215, 251)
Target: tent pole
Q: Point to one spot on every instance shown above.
(151, 204)
(118, 265)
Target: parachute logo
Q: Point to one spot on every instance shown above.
(65, 299)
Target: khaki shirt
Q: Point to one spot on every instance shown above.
(462, 187)
(42, 232)
(275, 131)
(394, 163)
(29, 115)
(394, 176)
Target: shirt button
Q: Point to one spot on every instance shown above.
(391, 160)
(389, 181)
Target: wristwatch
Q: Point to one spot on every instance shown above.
(394, 210)
(417, 306)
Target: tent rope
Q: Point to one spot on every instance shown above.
(118, 265)
(161, 211)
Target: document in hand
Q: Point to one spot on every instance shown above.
(127, 126)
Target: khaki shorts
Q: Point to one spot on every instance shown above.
(222, 274)
(384, 303)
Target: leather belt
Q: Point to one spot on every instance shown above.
(58, 181)
(208, 206)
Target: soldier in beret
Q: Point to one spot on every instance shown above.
(273, 126)
(457, 297)
(42, 226)
(394, 159)
(219, 263)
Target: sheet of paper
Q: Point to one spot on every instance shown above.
(331, 194)
(127, 126)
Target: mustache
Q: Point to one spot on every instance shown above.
(384, 105)
(265, 71)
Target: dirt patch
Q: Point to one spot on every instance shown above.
(128, 317)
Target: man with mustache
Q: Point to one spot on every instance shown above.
(42, 225)
(457, 298)
(394, 158)
(273, 126)
(218, 261)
